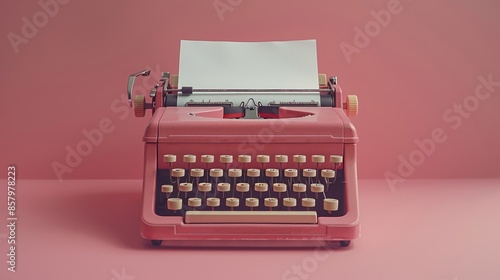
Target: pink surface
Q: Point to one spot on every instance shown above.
(426, 229)
(67, 79)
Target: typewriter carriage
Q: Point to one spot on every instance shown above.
(164, 94)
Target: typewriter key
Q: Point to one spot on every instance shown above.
(244, 159)
(263, 158)
(234, 173)
(330, 204)
(336, 159)
(270, 202)
(308, 203)
(253, 173)
(251, 202)
(213, 202)
(174, 204)
(216, 172)
(178, 172)
(289, 202)
(291, 173)
(204, 188)
(194, 202)
(317, 188)
(232, 202)
(327, 173)
(169, 158)
(261, 187)
(226, 159)
(299, 188)
(197, 172)
(318, 158)
(243, 188)
(281, 158)
(207, 158)
(223, 188)
(189, 158)
(167, 188)
(279, 188)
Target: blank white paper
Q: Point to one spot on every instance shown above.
(248, 65)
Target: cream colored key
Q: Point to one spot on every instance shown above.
(263, 158)
(299, 187)
(216, 172)
(205, 187)
(235, 173)
(281, 158)
(178, 172)
(226, 159)
(169, 158)
(336, 159)
(194, 202)
(299, 158)
(272, 172)
(213, 202)
(197, 172)
(330, 204)
(309, 173)
(207, 158)
(317, 188)
(289, 202)
(189, 158)
(328, 173)
(270, 202)
(243, 187)
(174, 203)
(308, 202)
(251, 202)
(261, 187)
(253, 172)
(244, 159)
(291, 173)
(167, 188)
(318, 158)
(185, 187)
(223, 188)
(232, 202)
(279, 187)
(251, 217)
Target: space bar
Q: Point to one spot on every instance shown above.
(251, 217)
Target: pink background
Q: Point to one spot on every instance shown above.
(72, 74)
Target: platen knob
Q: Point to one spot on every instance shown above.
(140, 105)
(351, 105)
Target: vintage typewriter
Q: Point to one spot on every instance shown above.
(244, 172)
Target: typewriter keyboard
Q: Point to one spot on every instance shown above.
(270, 193)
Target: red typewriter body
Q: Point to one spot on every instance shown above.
(285, 176)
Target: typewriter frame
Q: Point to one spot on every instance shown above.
(328, 231)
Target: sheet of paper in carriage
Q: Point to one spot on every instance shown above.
(248, 65)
